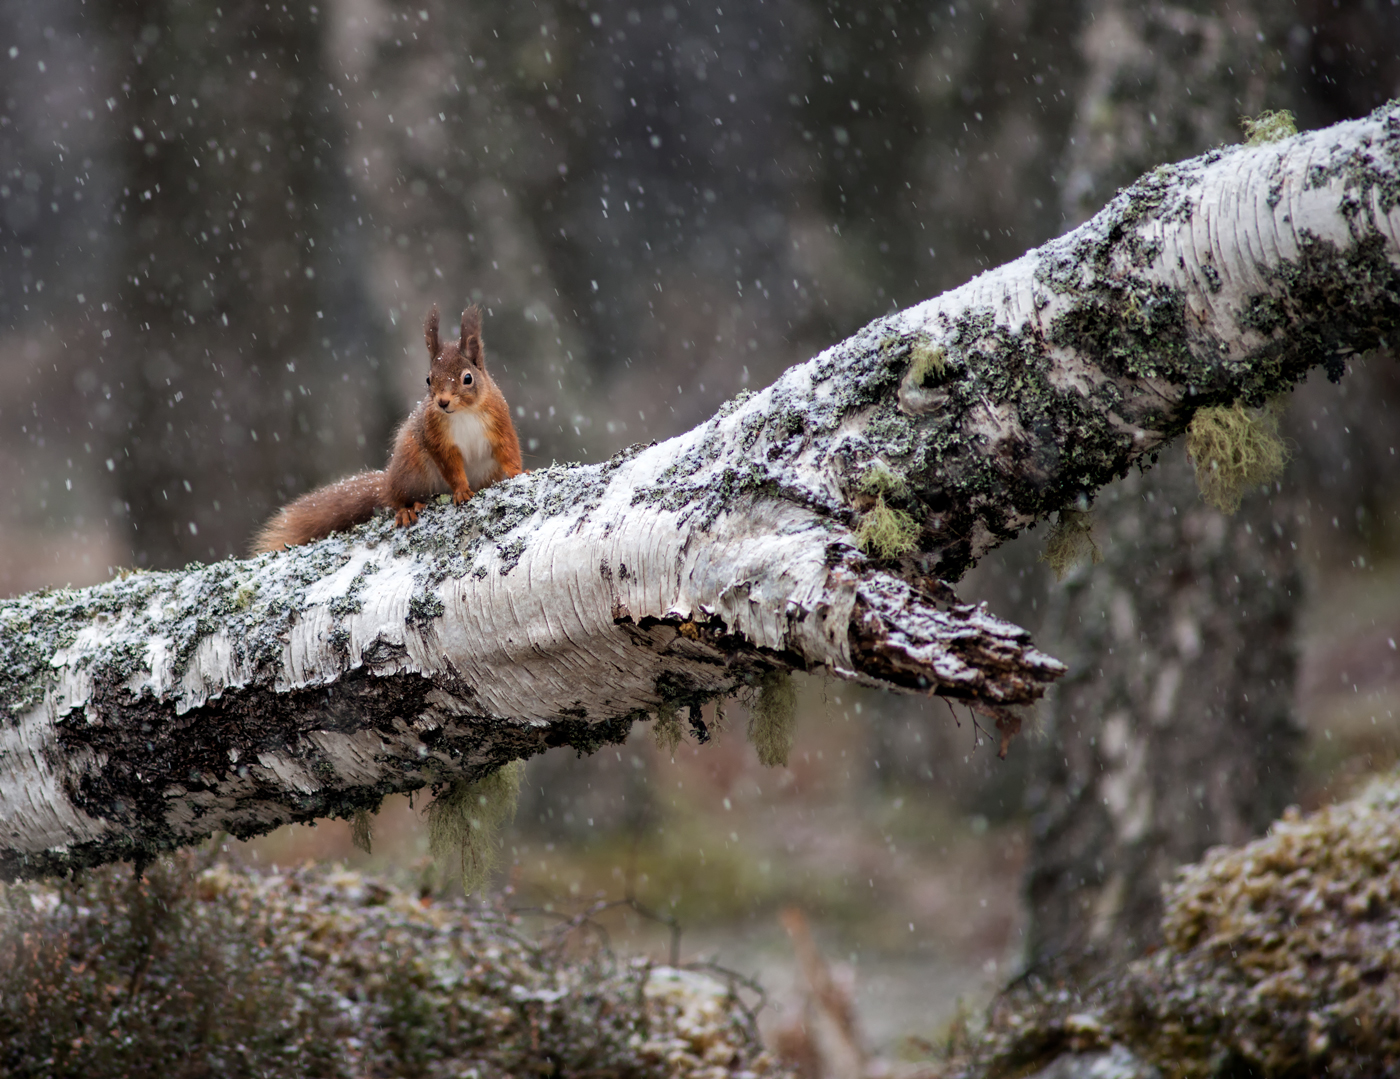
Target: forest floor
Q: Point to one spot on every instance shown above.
(916, 908)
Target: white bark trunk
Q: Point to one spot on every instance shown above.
(558, 607)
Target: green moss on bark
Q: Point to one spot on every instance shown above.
(1268, 126)
(1233, 449)
(928, 364)
(773, 718)
(466, 819)
(887, 533)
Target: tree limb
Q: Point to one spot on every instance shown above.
(559, 607)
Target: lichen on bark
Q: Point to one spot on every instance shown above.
(561, 606)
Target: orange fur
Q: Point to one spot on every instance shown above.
(427, 459)
(318, 513)
(460, 430)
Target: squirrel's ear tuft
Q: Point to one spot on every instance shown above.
(430, 333)
(470, 343)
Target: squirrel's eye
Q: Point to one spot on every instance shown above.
(429, 380)
(466, 378)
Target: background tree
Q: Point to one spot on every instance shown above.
(242, 367)
(1185, 637)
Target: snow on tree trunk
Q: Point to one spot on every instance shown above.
(559, 607)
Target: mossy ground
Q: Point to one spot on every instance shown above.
(1281, 958)
(202, 969)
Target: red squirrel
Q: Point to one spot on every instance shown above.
(458, 440)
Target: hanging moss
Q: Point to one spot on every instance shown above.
(721, 721)
(886, 532)
(1269, 126)
(362, 831)
(773, 718)
(667, 729)
(1071, 542)
(1234, 449)
(467, 818)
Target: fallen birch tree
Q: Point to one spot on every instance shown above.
(812, 526)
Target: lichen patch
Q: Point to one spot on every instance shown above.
(466, 818)
(1268, 126)
(1233, 449)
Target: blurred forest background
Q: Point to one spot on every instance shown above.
(221, 225)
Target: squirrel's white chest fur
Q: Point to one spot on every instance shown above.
(469, 432)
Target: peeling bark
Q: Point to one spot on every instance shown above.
(559, 607)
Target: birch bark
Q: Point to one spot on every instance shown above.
(560, 607)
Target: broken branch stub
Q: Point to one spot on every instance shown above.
(558, 608)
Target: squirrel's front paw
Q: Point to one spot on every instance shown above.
(458, 497)
(408, 514)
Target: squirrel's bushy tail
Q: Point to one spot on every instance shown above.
(318, 513)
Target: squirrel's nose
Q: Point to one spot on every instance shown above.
(443, 402)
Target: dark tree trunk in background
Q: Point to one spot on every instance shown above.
(52, 206)
(1175, 732)
(1347, 459)
(55, 196)
(934, 130)
(238, 305)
